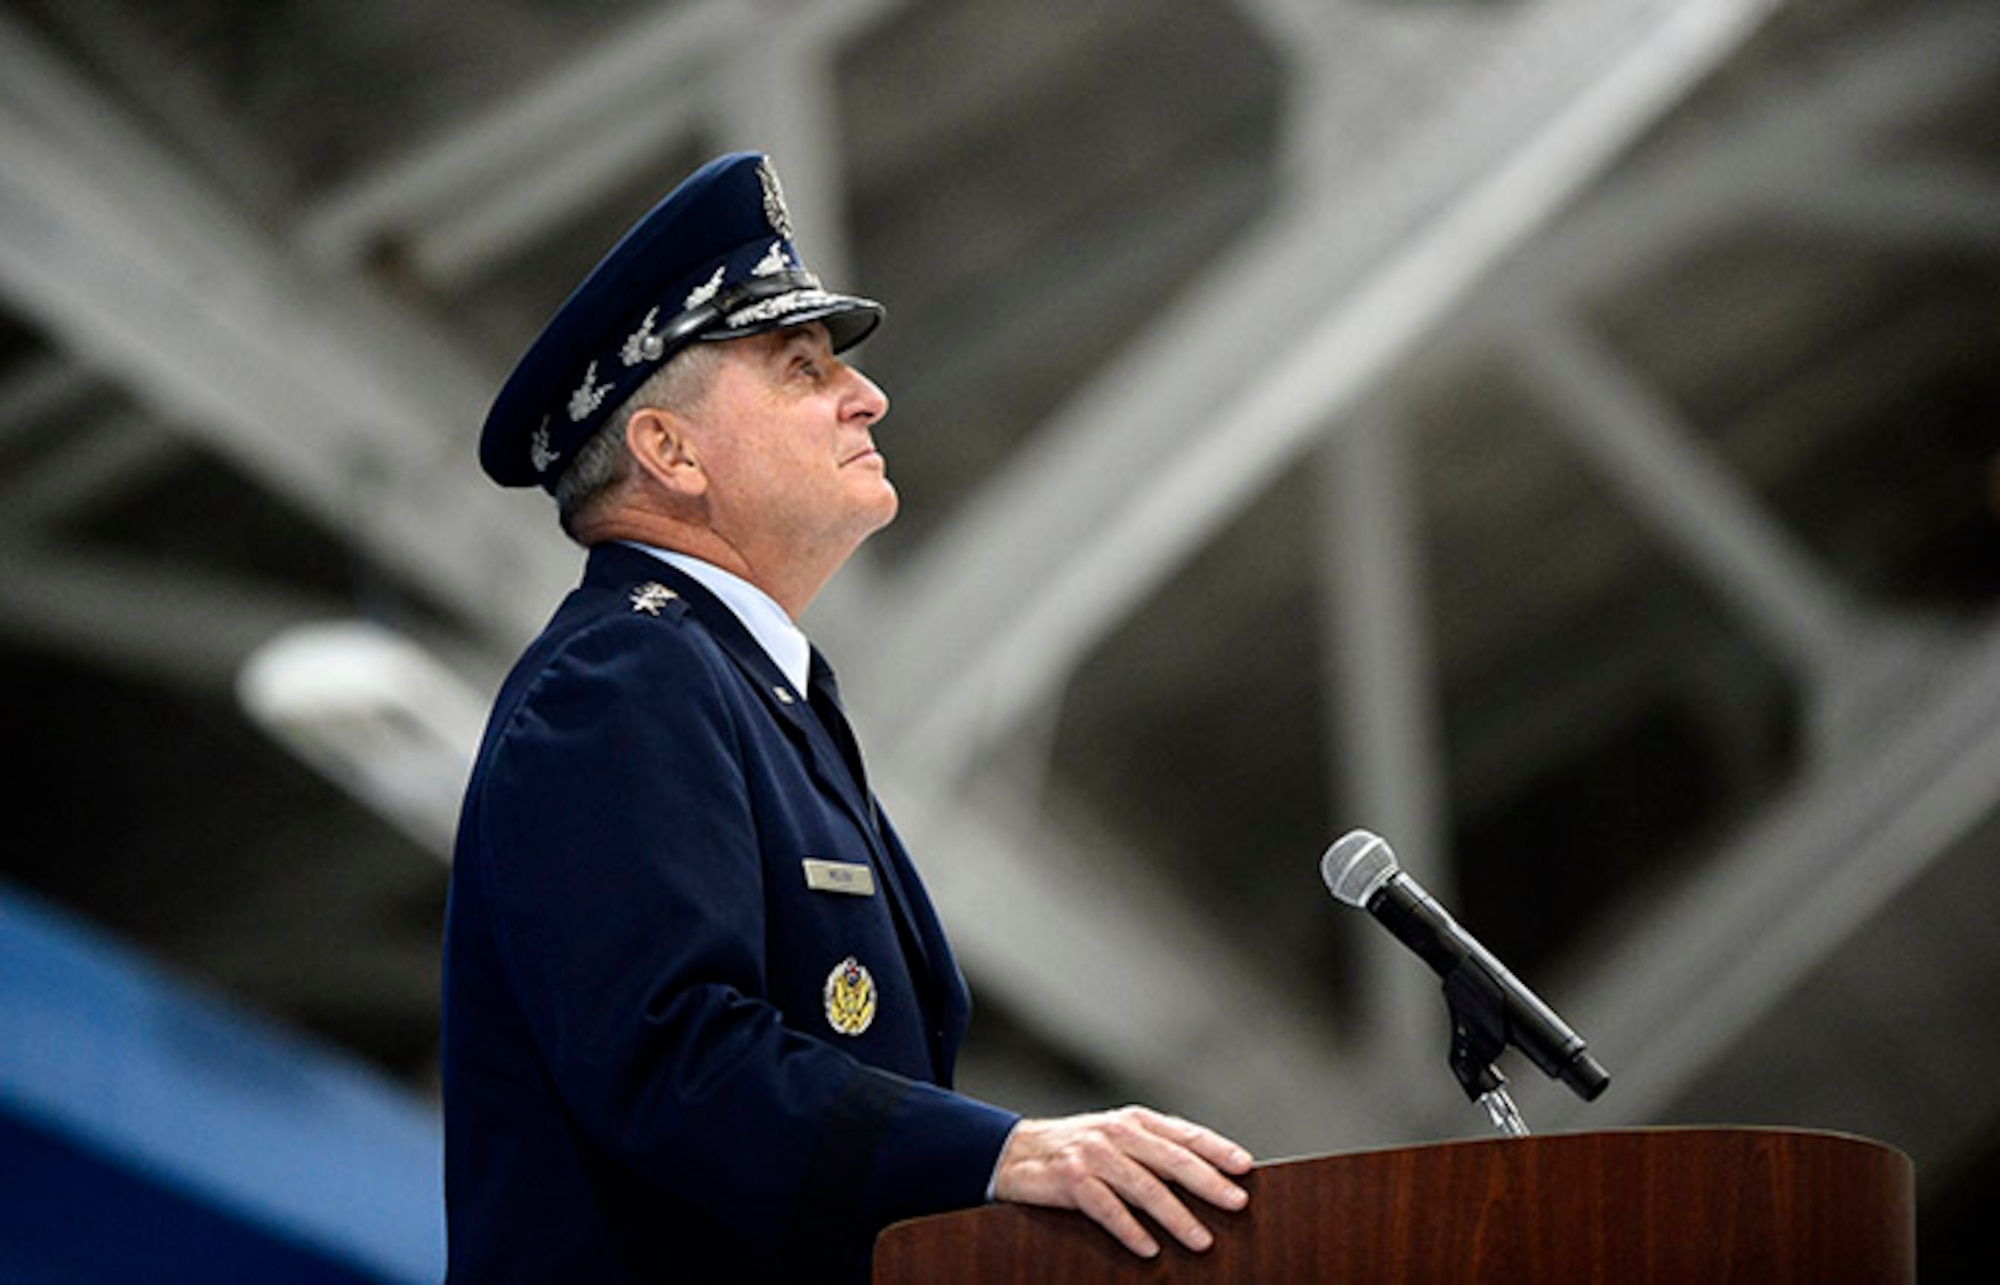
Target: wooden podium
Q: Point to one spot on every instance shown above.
(1651, 1205)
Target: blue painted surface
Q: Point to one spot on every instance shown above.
(149, 1131)
(70, 1215)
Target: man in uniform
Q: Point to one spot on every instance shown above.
(700, 1017)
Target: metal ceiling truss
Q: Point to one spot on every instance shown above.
(328, 394)
(308, 383)
(1272, 354)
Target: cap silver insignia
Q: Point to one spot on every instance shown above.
(775, 260)
(707, 290)
(642, 344)
(583, 403)
(540, 453)
(651, 597)
(775, 213)
(850, 997)
(778, 306)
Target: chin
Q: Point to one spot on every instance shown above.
(890, 508)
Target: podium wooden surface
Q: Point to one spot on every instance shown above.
(1685, 1206)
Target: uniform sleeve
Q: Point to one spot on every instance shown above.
(625, 890)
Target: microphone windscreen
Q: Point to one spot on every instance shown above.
(1356, 867)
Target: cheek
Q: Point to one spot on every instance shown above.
(736, 459)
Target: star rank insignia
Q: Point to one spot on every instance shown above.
(850, 997)
(652, 596)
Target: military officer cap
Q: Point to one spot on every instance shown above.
(714, 260)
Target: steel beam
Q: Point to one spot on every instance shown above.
(349, 408)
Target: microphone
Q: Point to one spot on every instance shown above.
(1360, 870)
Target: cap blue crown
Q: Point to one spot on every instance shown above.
(714, 260)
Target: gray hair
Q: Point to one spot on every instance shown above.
(602, 461)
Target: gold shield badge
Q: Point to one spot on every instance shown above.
(850, 997)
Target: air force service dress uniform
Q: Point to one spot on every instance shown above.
(700, 1016)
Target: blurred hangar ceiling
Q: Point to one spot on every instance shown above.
(1557, 434)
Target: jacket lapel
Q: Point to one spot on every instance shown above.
(620, 569)
(624, 570)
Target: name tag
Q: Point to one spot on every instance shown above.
(852, 878)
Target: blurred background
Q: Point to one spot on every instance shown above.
(1562, 436)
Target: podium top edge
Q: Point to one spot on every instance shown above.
(1663, 1132)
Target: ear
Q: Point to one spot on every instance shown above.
(660, 445)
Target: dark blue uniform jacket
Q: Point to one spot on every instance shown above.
(641, 1078)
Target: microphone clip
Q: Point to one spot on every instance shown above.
(1478, 1035)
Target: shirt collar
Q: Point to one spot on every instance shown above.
(782, 641)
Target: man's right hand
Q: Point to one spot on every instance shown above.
(1109, 1164)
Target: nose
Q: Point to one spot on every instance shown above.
(865, 400)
